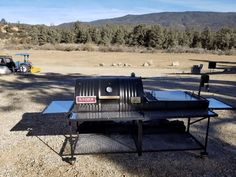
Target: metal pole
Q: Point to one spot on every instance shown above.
(204, 153)
(199, 90)
(71, 141)
(77, 128)
(188, 125)
(140, 136)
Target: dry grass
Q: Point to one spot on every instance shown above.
(91, 47)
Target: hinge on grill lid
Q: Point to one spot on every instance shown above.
(135, 100)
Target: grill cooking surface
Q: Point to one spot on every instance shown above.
(173, 96)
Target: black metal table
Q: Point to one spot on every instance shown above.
(192, 116)
(135, 117)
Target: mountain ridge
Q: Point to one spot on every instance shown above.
(173, 19)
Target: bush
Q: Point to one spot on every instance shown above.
(46, 47)
(88, 47)
(18, 47)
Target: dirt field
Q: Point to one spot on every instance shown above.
(30, 144)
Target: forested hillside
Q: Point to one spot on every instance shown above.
(149, 36)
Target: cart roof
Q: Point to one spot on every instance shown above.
(22, 54)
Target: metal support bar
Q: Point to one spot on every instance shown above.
(71, 141)
(204, 146)
(193, 122)
(77, 128)
(206, 138)
(188, 125)
(197, 141)
(199, 90)
(140, 136)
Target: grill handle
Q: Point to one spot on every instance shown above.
(109, 97)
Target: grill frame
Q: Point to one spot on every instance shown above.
(138, 116)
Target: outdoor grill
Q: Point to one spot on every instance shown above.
(101, 94)
(124, 99)
(122, 94)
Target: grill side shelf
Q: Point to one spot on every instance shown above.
(59, 107)
(216, 104)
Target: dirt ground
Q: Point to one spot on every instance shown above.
(30, 143)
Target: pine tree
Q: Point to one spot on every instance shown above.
(154, 37)
(223, 37)
(207, 39)
(67, 37)
(95, 34)
(196, 42)
(119, 37)
(106, 36)
(139, 35)
(170, 39)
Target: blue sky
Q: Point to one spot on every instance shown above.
(60, 11)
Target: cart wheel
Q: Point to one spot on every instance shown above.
(24, 68)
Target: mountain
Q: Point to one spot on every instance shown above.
(176, 19)
(181, 19)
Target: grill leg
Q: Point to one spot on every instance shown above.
(140, 136)
(77, 129)
(204, 153)
(72, 159)
(188, 125)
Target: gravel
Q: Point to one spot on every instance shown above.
(26, 150)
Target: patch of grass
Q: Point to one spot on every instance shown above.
(114, 48)
(181, 49)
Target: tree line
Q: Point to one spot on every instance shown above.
(150, 36)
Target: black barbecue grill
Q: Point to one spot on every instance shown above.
(108, 94)
(122, 94)
(124, 99)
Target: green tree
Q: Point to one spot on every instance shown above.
(81, 35)
(188, 36)
(106, 36)
(95, 34)
(139, 35)
(67, 36)
(223, 37)
(170, 39)
(154, 37)
(34, 35)
(207, 39)
(42, 37)
(53, 36)
(232, 42)
(196, 41)
(119, 37)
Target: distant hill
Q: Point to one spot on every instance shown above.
(178, 19)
